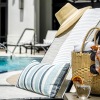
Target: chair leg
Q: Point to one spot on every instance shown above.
(6, 49)
(38, 50)
(34, 50)
(20, 49)
(26, 50)
(31, 49)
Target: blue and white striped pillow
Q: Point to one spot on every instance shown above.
(43, 78)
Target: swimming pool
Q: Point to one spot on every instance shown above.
(16, 63)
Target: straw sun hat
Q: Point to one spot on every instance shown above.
(67, 16)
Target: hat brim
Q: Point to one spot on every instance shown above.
(71, 20)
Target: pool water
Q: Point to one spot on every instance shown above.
(16, 63)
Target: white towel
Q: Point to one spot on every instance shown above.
(89, 19)
(87, 46)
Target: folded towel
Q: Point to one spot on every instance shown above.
(87, 46)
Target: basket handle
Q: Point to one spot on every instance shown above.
(98, 29)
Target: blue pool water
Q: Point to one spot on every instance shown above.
(16, 63)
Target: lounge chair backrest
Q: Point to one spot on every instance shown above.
(50, 36)
(90, 19)
(28, 37)
(87, 21)
(54, 48)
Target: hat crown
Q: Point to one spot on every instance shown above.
(65, 12)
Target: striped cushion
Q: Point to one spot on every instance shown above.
(43, 78)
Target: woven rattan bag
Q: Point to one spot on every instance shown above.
(81, 63)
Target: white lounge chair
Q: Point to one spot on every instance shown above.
(50, 36)
(26, 38)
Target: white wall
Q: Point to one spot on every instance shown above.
(15, 26)
(37, 14)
